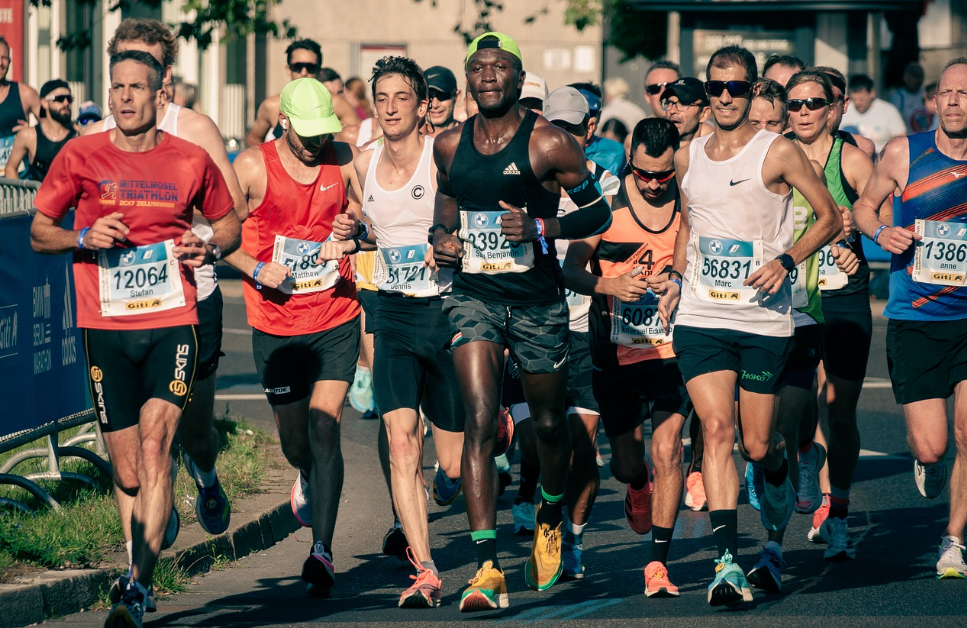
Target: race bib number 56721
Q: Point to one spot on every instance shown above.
(941, 256)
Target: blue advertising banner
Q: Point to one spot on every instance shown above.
(42, 363)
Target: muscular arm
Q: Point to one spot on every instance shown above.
(48, 237)
(201, 130)
(672, 289)
(447, 247)
(890, 174)
(21, 148)
(575, 267)
(227, 234)
(30, 100)
(797, 171)
(263, 121)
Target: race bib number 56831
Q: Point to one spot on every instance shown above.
(722, 266)
(941, 256)
(486, 250)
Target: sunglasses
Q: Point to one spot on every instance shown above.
(736, 89)
(676, 105)
(813, 104)
(61, 98)
(441, 96)
(654, 89)
(86, 121)
(646, 176)
(311, 68)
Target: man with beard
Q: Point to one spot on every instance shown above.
(41, 143)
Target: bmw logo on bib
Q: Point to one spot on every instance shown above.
(715, 246)
(394, 256)
(127, 258)
(303, 248)
(943, 230)
(480, 220)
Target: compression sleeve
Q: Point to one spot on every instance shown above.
(593, 216)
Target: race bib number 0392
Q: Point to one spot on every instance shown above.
(139, 280)
(722, 265)
(941, 256)
(486, 250)
(302, 258)
(402, 269)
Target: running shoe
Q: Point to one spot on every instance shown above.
(777, 504)
(754, 479)
(810, 497)
(116, 592)
(571, 553)
(836, 532)
(544, 566)
(729, 586)
(361, 396)
(657, 583)
(815, 533)
(425, 592)
(394, 541)
(951, 563)
(172, 529)
(505, 431)
(930, 478)
(487, 590)
(767, 573)
(129, 610)
(318, 571)
(638, 509)
(504, 478)
(695, 491)
(445, 489)
(523, 518)
(597, 456)
(211, 506)
(299, 499)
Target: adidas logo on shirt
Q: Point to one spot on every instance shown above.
(370, 199)
(511, 169)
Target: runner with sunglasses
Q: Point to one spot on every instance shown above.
(660, 75)
(444, 93)
(734, 324)
(841, 103)
(40, 144)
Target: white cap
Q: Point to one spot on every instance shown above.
(534, 87)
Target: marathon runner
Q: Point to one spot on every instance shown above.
(508, 291)
(38, 145)
(304, 314)
(734, 325)
(635, 373)
(444, 95)
(659, 76)
(135, 189)
(17, 102)
(781, 68)
(839, 108)
(927, 332)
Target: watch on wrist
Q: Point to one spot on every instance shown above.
(432, 229)
(786, 261)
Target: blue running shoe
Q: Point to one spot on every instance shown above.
(571, 557)
(730, 586)
(754, 479)
(361, 396)
(211, 506)
(445, 489)
(767, 573)
(778, 503)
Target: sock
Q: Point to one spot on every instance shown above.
(661, 539)
(725, 529)
(485, 543)
(551, 512)
(529, 475)
(574, 533)
(130, 547)
(775, 547)
(429, 565)
(641, 480)
(206, 478)
(839, 503)
(806, 447)
(777, 477)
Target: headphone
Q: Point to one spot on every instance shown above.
(285, 125)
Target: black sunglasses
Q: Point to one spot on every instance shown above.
(654, 89)
(311, 68)
(61, 98)
(441, 96)
(646, 176)
(736, 88)
(813, 104)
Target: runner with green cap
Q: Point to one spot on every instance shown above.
(500, 179)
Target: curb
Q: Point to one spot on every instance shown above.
(57, 593)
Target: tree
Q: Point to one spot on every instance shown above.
(235, 18)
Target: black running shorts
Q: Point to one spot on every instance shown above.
(209, 334)
(847, 335)
(927, 359)
(580, 393)
(807, 351)
(628, 394)
(759, 361)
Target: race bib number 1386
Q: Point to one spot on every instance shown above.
(941, 256)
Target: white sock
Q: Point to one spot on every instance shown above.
(575, 529)
(130, 547)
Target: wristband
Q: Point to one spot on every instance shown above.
(679, 282)
(843, 244)
(674, 273)
(80, 238)
(876, 236)
(539, 223)
(255, 275)
(358, 247)
(362, 231)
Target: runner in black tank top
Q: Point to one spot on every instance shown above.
(46, 151)
(499, 188)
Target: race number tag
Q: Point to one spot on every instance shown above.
(485, 248)
(797, 279)
(941, 256)
(139, 280)
(576, 300)
(721, 267)
(830, 276)
(401, 269)
(638, 324)
(301, 256)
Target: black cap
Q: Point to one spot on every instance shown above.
(689, 90)
(50, 86)
(441, 79)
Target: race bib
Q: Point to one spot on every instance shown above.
(301, 256)
(139, 280)
(638, 324)
(486, 250)
(830, 276)
(721, 265)
(941, 256)
(401, 269)
(797, 281)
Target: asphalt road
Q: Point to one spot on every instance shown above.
(890, 583)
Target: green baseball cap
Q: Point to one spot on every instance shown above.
(493, 40)
(308, 105)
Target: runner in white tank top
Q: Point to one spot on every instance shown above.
(734, 322)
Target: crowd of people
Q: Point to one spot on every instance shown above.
(494, 267)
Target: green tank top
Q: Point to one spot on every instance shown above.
(844, 195)
(803, 218)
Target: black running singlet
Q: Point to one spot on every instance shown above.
(46, 151)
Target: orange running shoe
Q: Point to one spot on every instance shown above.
(425, 592)
(815, 533)
(657, 583)
(695, 491)
(505, 431)
(638, 509)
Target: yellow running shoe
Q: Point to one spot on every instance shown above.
(544, 566)
(487, 591)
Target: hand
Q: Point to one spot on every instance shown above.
(847, 219)
(845, 259)
(273, 274)
(429, 261)
(517, 226)
(192, 250)
(105, 231)
(667, 304)
(21, 124)
(896, 240)
(657, 282)
(334, 250)
(447, 249)
(626, 288)
(344, 227)
(768, 278)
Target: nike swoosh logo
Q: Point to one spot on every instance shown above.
(558, 365)
(734, 183)
(660, 541)
(323, 188)
(723, 525)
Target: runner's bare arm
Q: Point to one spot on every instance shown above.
(21, 149)
(580, 280)
(672, 290)
(346, 226)
(48, 237)
(890, 174)
(264, 121)
(447, 247)
(30, 101)
(202, 131)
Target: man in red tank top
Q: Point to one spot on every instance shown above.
(304, 314)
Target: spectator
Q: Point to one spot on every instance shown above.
(908, 98)
(870, 116)
(40, 144)
(660, 75)
(17, 101)
(617, 106)
(355, 93)
(780, 68)
(614, 129)
(608, 154)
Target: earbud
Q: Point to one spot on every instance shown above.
(285, 125)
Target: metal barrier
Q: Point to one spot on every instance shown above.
(17, 195)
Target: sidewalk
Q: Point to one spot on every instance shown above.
(258, 522)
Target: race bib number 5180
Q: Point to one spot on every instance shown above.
(941, 256)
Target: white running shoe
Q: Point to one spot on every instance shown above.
(299, 499)
(930, 478)
(523, 518)
(810, 497)
(836, 532)
(951, 563)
